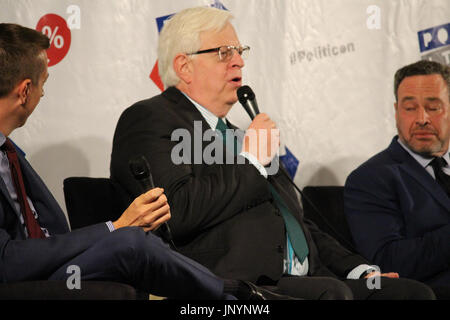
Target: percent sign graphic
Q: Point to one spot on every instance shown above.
(58, 41)
(55, 27)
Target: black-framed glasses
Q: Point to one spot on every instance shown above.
(226, 52)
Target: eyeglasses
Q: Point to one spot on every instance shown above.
(226, 52)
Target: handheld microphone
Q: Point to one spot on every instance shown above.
(141, 172)
(247, 98)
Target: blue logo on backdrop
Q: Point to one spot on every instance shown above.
(160, 21)
(433, 38)
(434, 43)
(290, 162)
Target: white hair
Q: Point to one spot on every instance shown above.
(181, 34)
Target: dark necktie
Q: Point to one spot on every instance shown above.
(222, 127)
(32, 225)
(441, 178)
(294, 230)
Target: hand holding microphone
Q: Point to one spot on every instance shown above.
(262, 138)
(150, 210)
(140, 169)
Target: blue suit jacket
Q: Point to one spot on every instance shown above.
(399, 216)
(33, 259)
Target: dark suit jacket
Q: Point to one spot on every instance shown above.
(399, 216)
(222, 214)
(37, 259)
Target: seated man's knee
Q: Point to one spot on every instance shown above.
(336, 290)
(127, 241)
(413, 290)
(135, 240)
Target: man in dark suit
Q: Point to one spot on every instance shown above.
(35, 242)
(397, 203)
(225, 213)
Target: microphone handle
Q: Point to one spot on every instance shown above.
(255, 106)
(147, 184)
(252, 108)
(247, 106)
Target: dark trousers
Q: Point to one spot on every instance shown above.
(131, 256)
(326, 288)
(440, 283)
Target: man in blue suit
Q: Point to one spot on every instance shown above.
(35, 242)
(397, 203)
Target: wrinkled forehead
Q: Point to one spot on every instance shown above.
(432, 85)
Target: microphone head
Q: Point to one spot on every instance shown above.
(139, 167)
(245, 93)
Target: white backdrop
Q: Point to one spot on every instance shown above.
(322, 69)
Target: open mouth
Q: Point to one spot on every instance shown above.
(236, 82)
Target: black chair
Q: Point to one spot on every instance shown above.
(326, 209)
(93, 200)
(58, 290)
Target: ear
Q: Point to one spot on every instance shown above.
(183, 67)
(23, 90)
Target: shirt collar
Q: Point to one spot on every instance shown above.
(210, 117)
(423, 161)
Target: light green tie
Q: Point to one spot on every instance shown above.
(294, 230)
(222, 127)
(296, 237)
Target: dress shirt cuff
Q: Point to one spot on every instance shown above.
(357, 272)
(110, 226)
(255, 162)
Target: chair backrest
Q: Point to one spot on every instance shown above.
(329, 201)
(93, 200)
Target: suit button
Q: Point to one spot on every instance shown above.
(280, 248)
(277, 212)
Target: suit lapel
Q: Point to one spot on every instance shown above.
(411, 167)
(8, 198)
(184, 108)
(50, 213)
(187, 111)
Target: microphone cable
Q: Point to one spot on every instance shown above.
(247, 98)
